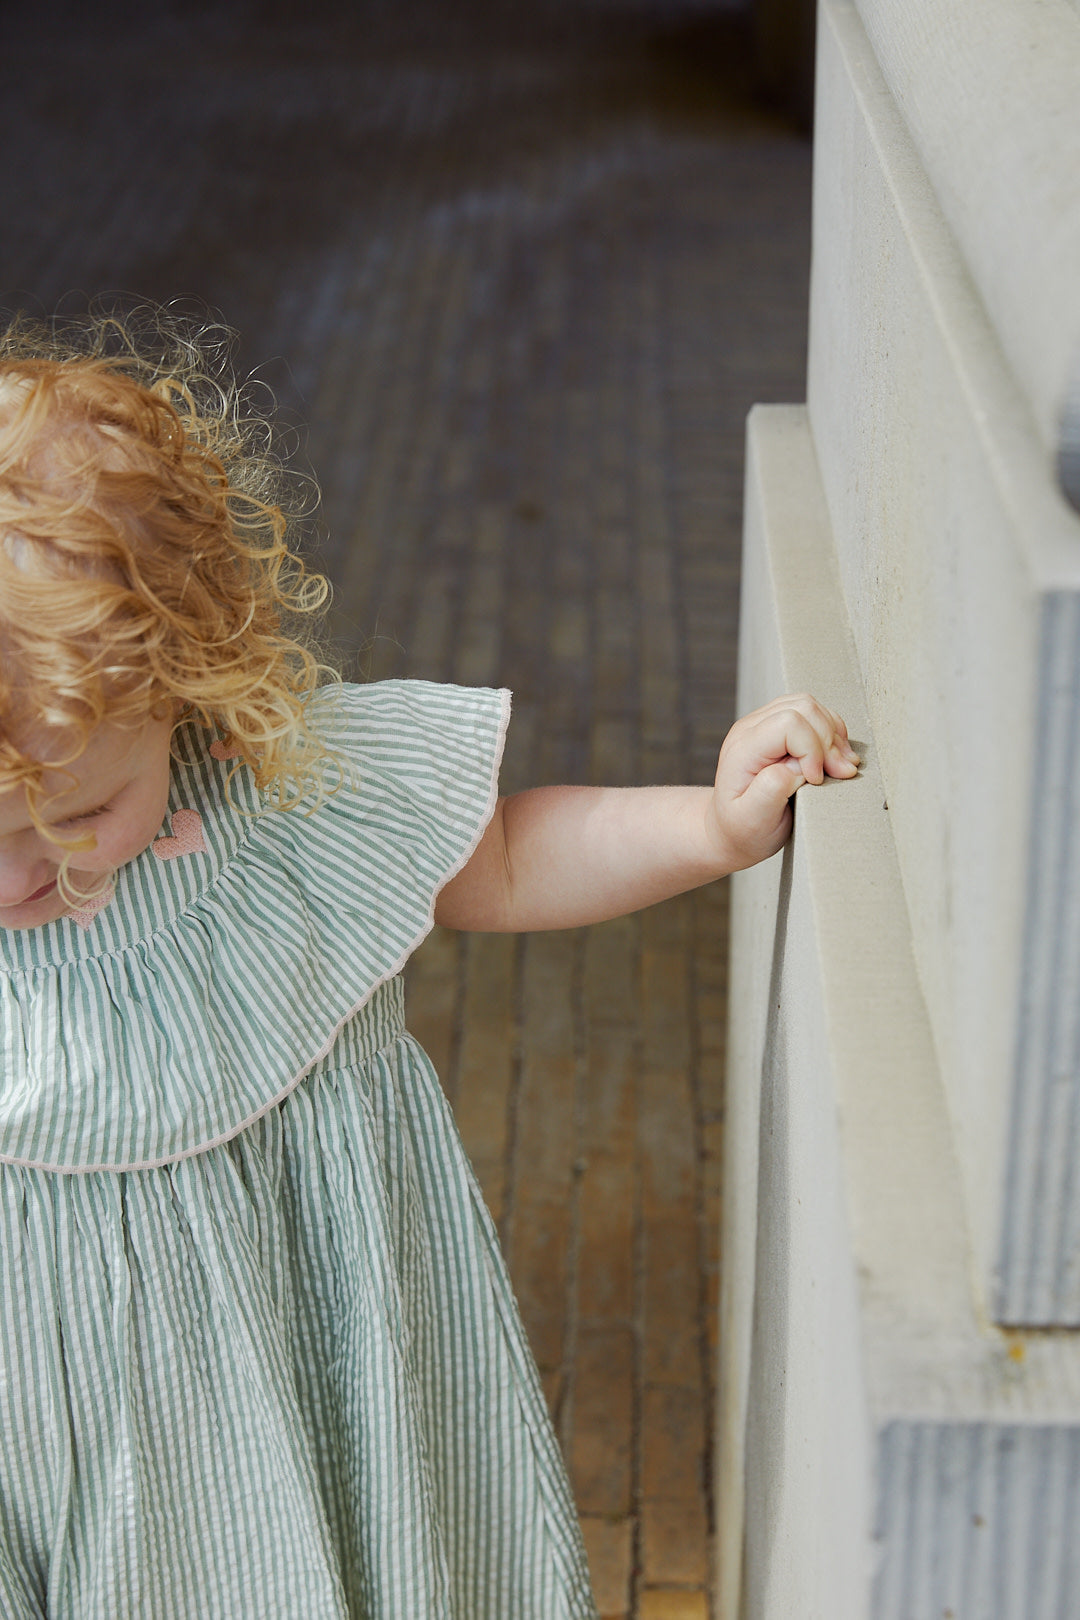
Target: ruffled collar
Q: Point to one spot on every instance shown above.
(218, 975)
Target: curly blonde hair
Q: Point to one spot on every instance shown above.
(147, 561)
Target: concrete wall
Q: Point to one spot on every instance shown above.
(960, 562)
(904, 1076)
(864, 1395)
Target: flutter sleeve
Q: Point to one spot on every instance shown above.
(213, 983)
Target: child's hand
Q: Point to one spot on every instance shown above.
(767, 756)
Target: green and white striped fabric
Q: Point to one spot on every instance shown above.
(260, 1355)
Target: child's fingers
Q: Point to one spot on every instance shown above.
(838, 749)
(774, 786)
(790, 734)
(804, 730)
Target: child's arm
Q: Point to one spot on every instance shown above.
(561, 857)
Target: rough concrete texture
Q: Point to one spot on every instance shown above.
(864, 1398)
(518, 271)
(960, 564)
(1000, 140)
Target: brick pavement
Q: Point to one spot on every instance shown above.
(522, 271)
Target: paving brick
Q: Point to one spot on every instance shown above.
(431, 999)
(711, 906)
(540, 1255)
(601, 1451)
(542, 1216)
(519, 769)
(671, 1307)
(674, 1443)
(433, 615)
(672, 1603)
(476, 654)
(613, 751)
(609, 1544)
(712, 1141)
(609, 1091)
(711, 1017)
(712, 1313)
(610, 990)
(486, 1061)
(478, 644)
(674, 1543)
(607, 1133)
(549, 1058)
(665, 1004)
(668, 928)
(569, 631)
(605, 1291)
(553, 1384)
(667, 1150)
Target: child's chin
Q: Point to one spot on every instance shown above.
(32, 913)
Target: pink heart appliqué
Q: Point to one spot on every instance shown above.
(85, 914)
(187, 838)
(224, 749)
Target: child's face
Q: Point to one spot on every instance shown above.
(119, 794)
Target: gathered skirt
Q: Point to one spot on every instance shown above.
(283, 1378)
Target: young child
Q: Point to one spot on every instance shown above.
(259, 1354)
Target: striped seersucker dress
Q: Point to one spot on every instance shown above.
(259, 1358)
